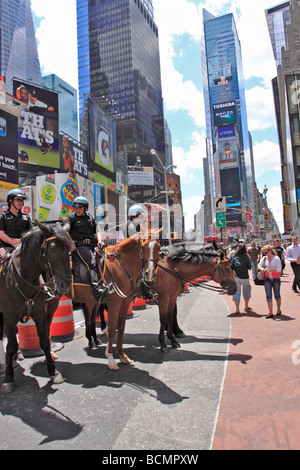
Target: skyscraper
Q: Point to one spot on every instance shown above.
(286, 89)
(67, 98)
(278, 17)
(228, 146)
(119, 65)
(18, 48)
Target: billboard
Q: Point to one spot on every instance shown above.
(73, 158)
(102, 139)
(55, 194)
(9, 177)
(226, 132)
(140, 170)
(38, 133)
(231, 186)
(224, 114)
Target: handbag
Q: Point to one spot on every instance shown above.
(260, 277)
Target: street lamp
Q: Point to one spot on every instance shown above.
(153, 152)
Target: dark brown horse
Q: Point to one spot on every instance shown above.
(23, 294)
(177, 267)
(125, 266)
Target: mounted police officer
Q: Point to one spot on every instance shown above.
(82, 228)
(13, 222)
(137, 220)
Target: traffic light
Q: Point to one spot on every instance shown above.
(267, 215)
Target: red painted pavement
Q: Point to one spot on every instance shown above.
(260, 404)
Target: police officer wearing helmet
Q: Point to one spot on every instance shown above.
(82, 228)
(137, 220)
(13, 222)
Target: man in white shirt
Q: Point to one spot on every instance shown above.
(293, 255)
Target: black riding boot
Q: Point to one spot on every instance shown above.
(99, 292)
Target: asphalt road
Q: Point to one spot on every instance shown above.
(163, 402)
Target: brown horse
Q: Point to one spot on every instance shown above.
(179, 266)
(126, 265)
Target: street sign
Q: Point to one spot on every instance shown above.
(221, 219)
(220, 204)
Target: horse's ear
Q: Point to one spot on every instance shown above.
(46, 230)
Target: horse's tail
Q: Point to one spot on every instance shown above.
(1, 326)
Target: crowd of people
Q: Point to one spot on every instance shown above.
(265, 264)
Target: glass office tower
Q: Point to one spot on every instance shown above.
(67, 98)
(278, 18)
(18, 48)
(119, 65)
(228, 147)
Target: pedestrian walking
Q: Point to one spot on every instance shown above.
(253, 253)
(280, 251)
(293, 255)
(240, 264)
(271, 265)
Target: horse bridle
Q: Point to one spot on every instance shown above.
(42, 288)
(218, 266)
(141, 277)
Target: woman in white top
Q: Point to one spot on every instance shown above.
(271, 265)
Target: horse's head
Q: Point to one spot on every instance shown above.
(149, 258)
(55, 256)
(223, 275)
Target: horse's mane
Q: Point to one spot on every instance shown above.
(124, 243)
(191, 253)
(35, 236)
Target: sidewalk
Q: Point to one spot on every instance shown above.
(259, 408)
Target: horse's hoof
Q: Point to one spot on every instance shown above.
(164, 349)
(125, 359)
(176, 345)
(99, 342)
(105, 331)
(8, 388)
(57, 379)
(113, 367)
(181, 335)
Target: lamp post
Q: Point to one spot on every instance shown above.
(153, 152)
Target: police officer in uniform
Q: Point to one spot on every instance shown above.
(137, 220)
(13, 222)
(82, 228)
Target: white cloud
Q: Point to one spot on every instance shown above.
(186, 162)
(260, 108)
(57, 38)
(266, 157)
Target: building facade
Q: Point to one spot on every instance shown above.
(286, 89)
(119, 66)
(18, 48)
(67, 98)
(228, 146)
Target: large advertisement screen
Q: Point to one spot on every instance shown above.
(55, 195)
(38, 133)
(224, 114)
(140, 170)
(73, 158)
(231, 186)
(102, 139)
(8, 150)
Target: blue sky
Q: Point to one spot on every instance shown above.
(180, 27)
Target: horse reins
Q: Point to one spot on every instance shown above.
(183, 279)
(42, 288)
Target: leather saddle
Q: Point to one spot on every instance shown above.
(80, 270)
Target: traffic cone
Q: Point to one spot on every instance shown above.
(139, 304)
(29, 341)
(62, 327)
